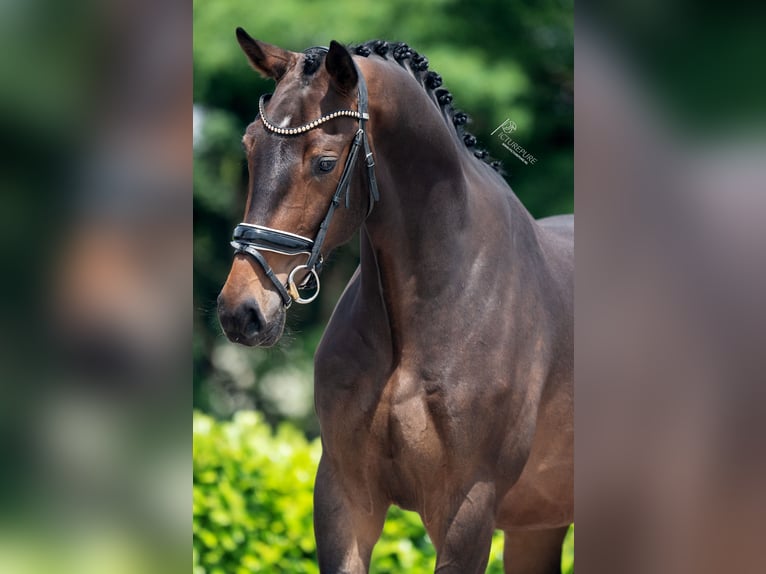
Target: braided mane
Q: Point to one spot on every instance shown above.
(417, 65)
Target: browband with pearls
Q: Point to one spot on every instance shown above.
(309, 126)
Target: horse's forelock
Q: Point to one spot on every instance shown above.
(312, 59)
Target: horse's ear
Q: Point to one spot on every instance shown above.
(270, 61)
(341, 68)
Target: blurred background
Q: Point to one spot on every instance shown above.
(95, 241)
(670, 139)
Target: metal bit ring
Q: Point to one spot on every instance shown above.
(292, 288)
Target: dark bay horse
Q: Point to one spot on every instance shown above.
(443, 383)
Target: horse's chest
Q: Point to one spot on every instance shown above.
(394, 439)
(402, 428)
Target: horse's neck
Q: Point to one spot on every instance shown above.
(438, 250)
(447, 235)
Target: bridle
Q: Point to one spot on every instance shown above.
(252, 239)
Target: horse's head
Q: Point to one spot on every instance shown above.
(301, 153)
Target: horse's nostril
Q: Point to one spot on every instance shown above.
(251, 320)
(241, 321)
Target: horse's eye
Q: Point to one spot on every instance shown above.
(327, 164)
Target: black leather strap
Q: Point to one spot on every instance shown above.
(368, 158)
(344, 185)
(272, 239)
(253, 252)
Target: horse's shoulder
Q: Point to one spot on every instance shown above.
(558, 225)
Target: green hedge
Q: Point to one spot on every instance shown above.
(253, 504)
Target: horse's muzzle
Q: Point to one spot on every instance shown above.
(245, 324)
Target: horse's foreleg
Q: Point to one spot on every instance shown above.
(345, 533)
(533, 551)
(463, 536)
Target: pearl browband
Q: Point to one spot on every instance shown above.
(309, 126)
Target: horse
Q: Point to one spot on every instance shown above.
(444, 379)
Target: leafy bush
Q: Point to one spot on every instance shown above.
(253, 506)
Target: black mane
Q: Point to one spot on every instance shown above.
(312, 60)
(417, 65)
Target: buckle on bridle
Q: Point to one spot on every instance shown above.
(294, 290)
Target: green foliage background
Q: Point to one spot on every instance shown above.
(253, 504)
(501, 60)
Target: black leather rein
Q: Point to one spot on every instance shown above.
(251, 239)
